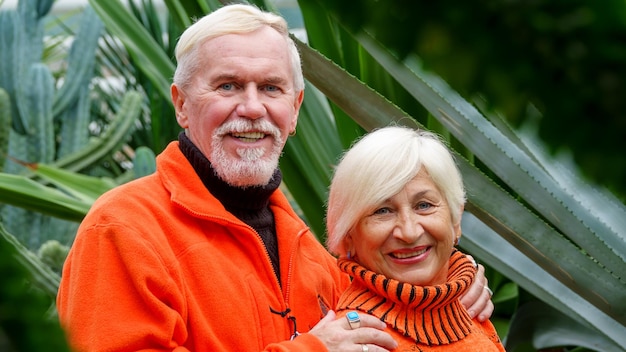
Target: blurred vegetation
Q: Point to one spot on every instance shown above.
(22, 307)
(565, 59)
(517, 58)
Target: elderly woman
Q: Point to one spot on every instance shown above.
(394, 217)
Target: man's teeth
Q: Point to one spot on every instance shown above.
(249, 136)
(409, 255)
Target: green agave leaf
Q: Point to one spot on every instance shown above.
(148, 14)
(556, 254)
(541, 243)
(309, 205)
(308, 158)
(511, 164)
(530, 179)
(362, 103)
(320, 30)
(592, 198)
(178, 13)
(25, 193)
(147, 53)
(318, 139)
(507, 292)
(548, 328)
(482, 241)
(82, 187)
(184, 12)
(322, 33)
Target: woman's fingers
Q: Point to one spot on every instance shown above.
(343, 334)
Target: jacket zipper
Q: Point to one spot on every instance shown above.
(284, 289)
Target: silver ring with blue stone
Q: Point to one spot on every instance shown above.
(353, 319)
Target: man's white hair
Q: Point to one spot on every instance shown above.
(230, 19)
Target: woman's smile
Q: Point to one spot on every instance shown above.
(413, 253)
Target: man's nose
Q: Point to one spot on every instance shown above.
(251, 106)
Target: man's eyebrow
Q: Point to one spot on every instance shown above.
(275, 79)
(225, 77)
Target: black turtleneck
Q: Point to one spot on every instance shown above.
(250, 204)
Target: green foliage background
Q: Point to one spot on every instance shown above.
(564, 58)
(552, 243)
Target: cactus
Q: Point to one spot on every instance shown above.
(5, 126)
(112, 139)
(72, 101)
(29, 51)
(10, 62)
(144, 162)
(43, 7)
(80, 63)
(36, 146)
(32, 27)
(53, 254)
(50, 123)
(46, 123)
(38, 94)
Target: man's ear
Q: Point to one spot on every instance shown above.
(296, 105)
(178, 100)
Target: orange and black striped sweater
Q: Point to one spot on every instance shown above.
(421, 318)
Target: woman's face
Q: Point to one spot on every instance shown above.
(409, 237)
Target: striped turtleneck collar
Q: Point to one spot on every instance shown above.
(430, 315)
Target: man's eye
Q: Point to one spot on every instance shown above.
(227, 86)
(272, 89)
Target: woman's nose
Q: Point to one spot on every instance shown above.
(407, 227)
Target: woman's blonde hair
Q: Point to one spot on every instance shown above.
(377, 167)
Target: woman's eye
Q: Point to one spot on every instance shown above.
(382, 211)
(423, 206)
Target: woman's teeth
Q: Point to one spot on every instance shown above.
(409, 254)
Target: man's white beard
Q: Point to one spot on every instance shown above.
(253, 167)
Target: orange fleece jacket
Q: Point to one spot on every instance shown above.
(428, 318)
(158, 264)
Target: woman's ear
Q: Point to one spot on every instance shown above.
(457, 233)
(348, 244)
